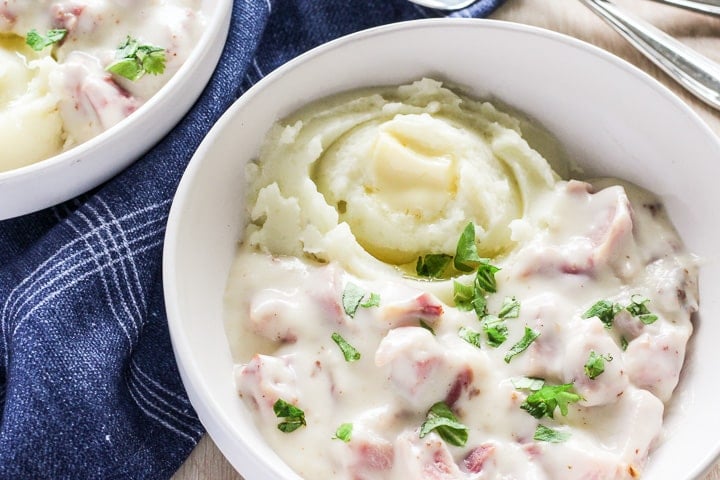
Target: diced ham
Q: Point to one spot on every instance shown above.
(264, 380)
(425, 458)
(420, 369)
(424, 306)
(475, 460)
(654, 361)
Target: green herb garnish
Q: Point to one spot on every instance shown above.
(294, 417)
(441, 419)
(432, 265)
(466, 253)
(623, 343)
(544, 401)
(510, 308)
(463, 296)
(527, 383)
(348, 351)
(352, 299)
(39, 42)
(470, 336)
(344, 432)
(605, 310)
(546, 434)
(529, 337)
(135, 60)
(595, 364)
(638, 308)
(495, 329)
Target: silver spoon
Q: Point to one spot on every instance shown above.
(698, 74)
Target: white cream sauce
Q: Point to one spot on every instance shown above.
(605, 241)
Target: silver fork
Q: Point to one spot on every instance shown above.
(697, 73)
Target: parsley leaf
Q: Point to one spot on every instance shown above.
(441, 419)
(463, 296)
(348, 351)
(510, 308)
(595, 364)
(135, 60)
(546, 434)
(344, 432)
(605, 310)
(496, 330)
(432, 265)
(470, 336)
(529, 337)
(373, 301)
(466, 253)
(485, 277)
(548, 398)
(527, 383)
(638, 308)
(38, 42)
(352, 296)
(623, 343)
(294, 417)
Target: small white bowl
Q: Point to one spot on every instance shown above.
(612, 118)
(48, 182)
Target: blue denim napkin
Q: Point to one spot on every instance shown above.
(88, 382)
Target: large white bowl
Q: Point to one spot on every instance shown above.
(610, 117)
(48, 182)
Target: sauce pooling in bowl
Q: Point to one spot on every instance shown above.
(539, 342)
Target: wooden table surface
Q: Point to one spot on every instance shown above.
(570, 17)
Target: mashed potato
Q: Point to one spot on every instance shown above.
(396, 173)
(26, 105)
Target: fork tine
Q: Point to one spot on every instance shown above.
(711, 7)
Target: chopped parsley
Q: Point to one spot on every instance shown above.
(623, 343)
(39, 42)
(543, 402)
(348, 351)
(496, 330)
(466, 253)
(547, 434)
(595, 364)
(441, 419)
(432, 265)
(135, 60)
(527, 383)
(352, 299)
(529, 337)
(344, 432)
(510, 308)
(463, 296)
(470, 336)
(294, 417)
(638, 308)
(605, 310)
(485, 277)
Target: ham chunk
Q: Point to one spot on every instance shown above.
(420, 369)
(264, 380)
(425, 458)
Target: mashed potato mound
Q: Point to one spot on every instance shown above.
(26, 104)
(390, 174)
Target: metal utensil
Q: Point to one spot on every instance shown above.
(698, 74)
(711, 7)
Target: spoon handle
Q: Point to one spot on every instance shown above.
(711, 7)
(698, 74)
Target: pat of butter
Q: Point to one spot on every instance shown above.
(412, 170)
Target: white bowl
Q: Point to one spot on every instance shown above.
(612, 118)
(48, 182)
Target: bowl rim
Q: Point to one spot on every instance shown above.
(238, 450)
(215, 30)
